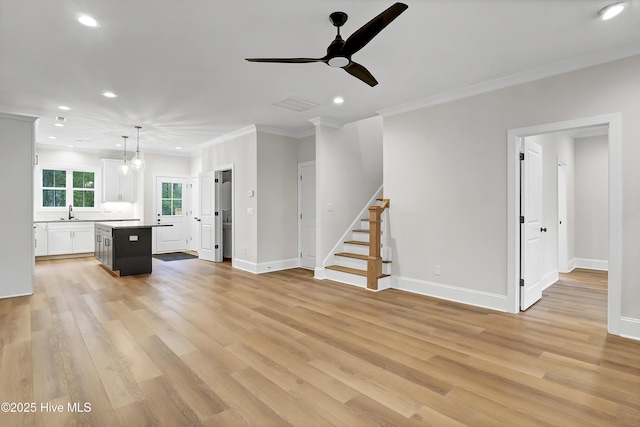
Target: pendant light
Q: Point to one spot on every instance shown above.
(137, 163)
(124, 168)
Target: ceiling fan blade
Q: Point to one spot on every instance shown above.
(286, 60)
(361, 73)
(368, 31)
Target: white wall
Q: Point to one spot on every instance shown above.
(307, 149)
(592, 198)
(348, 174)
(158, 165)
(17, 136)
(277, 194)
(445, 172)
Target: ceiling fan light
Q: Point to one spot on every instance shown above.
(89, 21)
(611, 10)
(338, 62)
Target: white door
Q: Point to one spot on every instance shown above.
(531, 228)
(210, 218)
(307, 214)
(194, 214)
(563, 257)
(171, 208)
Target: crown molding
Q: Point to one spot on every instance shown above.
(324, 121)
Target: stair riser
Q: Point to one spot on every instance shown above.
(356, 249)
(360, 264)
(362, 237)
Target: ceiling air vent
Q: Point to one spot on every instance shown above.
(295, 104)
(61, 119)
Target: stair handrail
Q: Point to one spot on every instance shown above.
(374, 260)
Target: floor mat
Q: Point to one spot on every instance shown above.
(174, 256)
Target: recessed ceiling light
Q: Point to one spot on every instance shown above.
(338, 100)
(89, 21)
(70, 146)
(118, 145)
(60, 125)
(178, 148)
(52, 137)
(64, 107)
(109, 94)
(611, 10)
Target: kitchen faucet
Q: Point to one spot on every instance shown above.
(70, 211)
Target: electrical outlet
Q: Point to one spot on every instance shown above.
(436, 270)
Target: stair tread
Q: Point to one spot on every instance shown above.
(360, 230)
(352, 271)
(357, 242)
(357, 256)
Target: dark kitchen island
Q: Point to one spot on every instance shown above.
(124, 247)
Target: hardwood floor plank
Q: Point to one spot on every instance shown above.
(199, 343)
(135, 359)
(49, 380)
(16, 382)
(294, 411)
(241, 404)
(202, 400)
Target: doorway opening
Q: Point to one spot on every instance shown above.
(516, 138)
(564, 205)
(215, 221)
(307, 214)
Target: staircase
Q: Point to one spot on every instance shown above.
(357, 261)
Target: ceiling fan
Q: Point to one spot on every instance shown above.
(340, 51)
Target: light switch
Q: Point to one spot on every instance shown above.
(250, 193)
(249, 211)
(330, 207)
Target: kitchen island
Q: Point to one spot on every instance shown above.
(124, 247)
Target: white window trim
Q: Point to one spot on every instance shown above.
(97, 196)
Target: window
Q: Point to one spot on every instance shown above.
(171, 198)
(83, 189)
(66, 186)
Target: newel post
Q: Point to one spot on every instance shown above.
(374, 261)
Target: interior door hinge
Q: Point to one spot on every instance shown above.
(216, 180)
(300, 177)
(521, 282)
(521, 220)
(216, 247)
(521, 156)
(216, 213)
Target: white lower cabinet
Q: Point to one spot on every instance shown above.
(70, 238)
(40, 238)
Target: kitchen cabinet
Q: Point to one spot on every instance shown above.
(104, 245)
(117, 188)
(70, 238)
(40, 238)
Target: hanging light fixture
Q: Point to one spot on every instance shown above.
(137, 163)
(124, 168)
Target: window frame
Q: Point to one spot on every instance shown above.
(69, 169)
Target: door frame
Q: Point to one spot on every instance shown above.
(563, 237)
(219, 170)
(514, 138)
(300, 166)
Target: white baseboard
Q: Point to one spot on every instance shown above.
(630, 328)
(265, 267)
(452, 293)
(319, 273)
(549, 279)
(589, 264)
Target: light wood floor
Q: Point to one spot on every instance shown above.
(197, 343)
